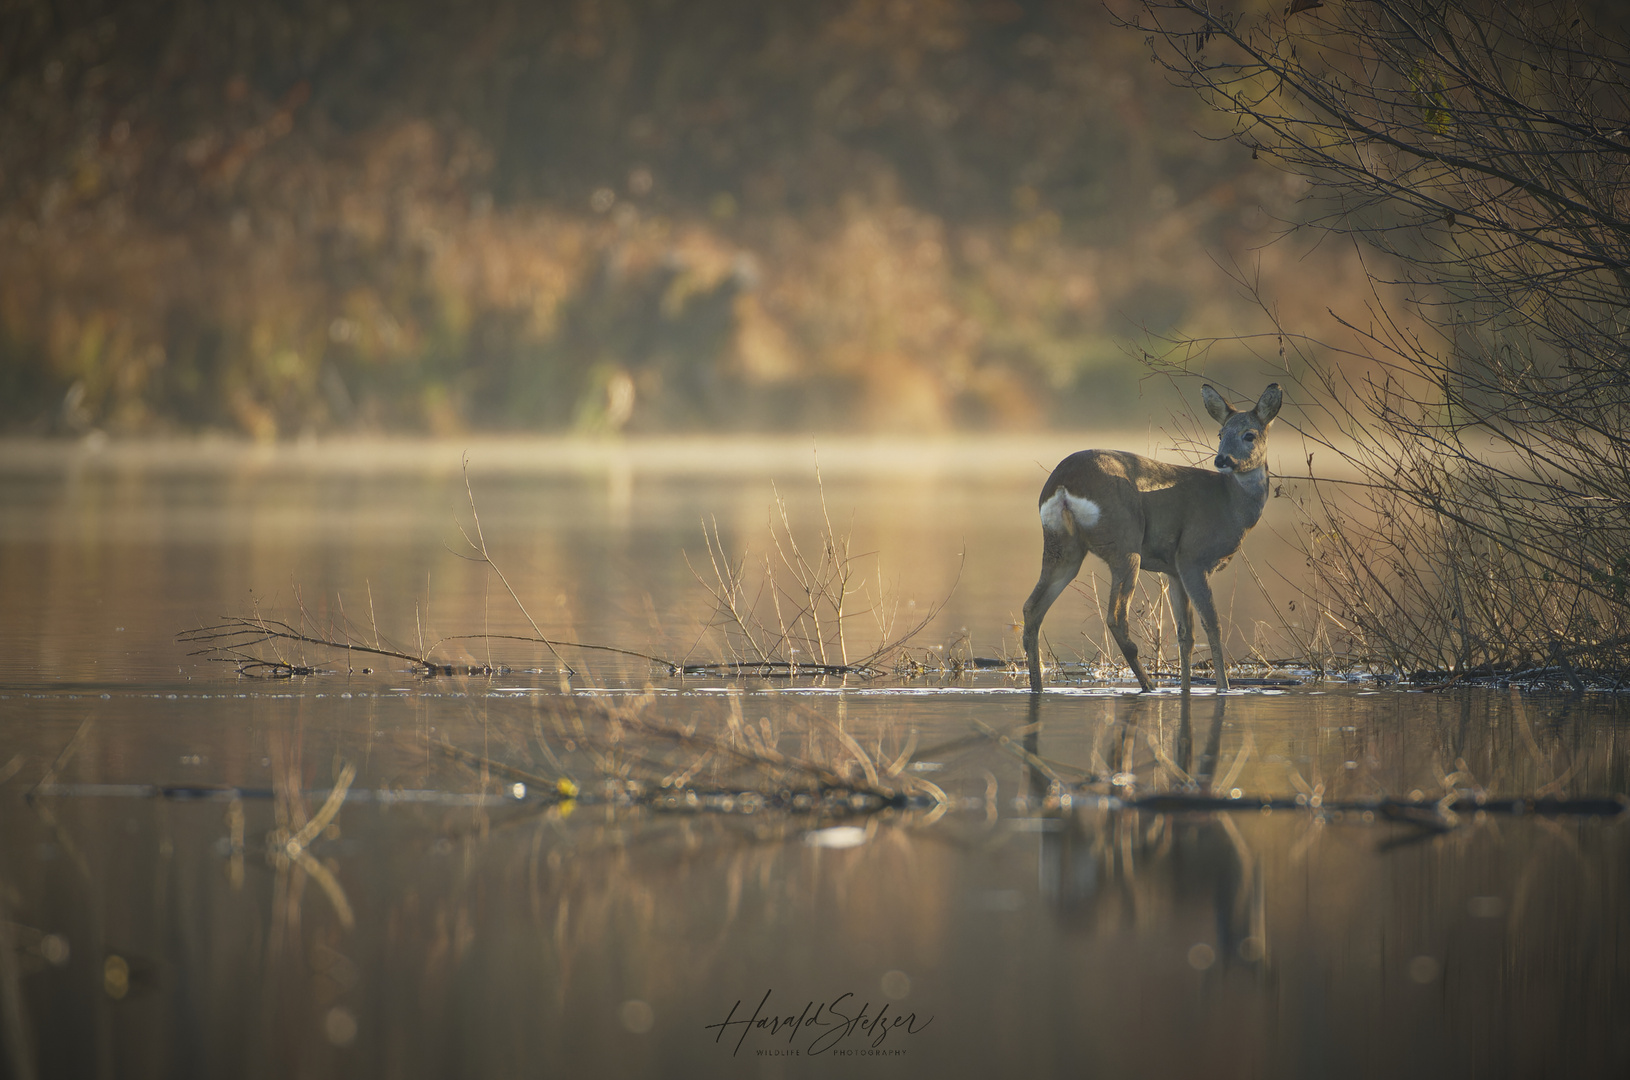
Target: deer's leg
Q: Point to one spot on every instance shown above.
(1123, 578)
(1199, 590)
(1185, 626)
(1061, 556)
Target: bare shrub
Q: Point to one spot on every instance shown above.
(1478, 153)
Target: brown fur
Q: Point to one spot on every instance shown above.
(1176, 520)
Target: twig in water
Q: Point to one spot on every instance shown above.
(480, 545)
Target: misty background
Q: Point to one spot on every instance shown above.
(290, 218)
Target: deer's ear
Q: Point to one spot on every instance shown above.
(1219, 409)
(1267, 406)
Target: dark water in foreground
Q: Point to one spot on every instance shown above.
(446, 923)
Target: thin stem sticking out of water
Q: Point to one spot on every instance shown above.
(809, 597)
(479, 545)
(809, 621)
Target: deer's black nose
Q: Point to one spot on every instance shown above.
(1224, 462)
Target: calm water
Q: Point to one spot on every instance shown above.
(446, 923)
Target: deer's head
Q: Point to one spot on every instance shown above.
(1242, 445)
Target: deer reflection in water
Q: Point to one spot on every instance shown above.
(1113, 867)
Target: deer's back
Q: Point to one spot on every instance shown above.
(1125, 502)
(1118, 475)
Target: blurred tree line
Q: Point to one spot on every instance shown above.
(281, 216)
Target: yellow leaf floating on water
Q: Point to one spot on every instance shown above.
(567, 788)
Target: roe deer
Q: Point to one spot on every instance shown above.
(1174, 519)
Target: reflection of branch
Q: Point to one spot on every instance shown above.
(1434, 814)
(769, 758)
(68, 751)
(293, 847)
(540, 784)
(295, 844)
(1024, 755)
(329, 884)
(1247, 744)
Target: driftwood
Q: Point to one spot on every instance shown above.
(811, 600)
(1420, 812)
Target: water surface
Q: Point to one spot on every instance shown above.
(449, 923)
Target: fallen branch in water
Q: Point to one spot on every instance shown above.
(233, 638)
(1433, 815)
(1403, 811)
(810, 617)
(771, 668)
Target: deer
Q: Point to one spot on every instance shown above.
(1137, 513)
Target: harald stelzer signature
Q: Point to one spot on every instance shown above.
(827, 1022)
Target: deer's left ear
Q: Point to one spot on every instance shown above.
(1267, 406)
(1219, 409)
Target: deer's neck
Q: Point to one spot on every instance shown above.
(1250, 492)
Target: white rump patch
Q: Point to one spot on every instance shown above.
(1085, 512)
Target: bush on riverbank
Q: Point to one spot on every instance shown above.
(1478, 152)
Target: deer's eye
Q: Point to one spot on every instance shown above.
(1250, 436)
